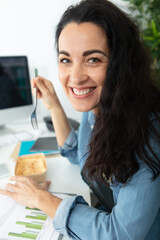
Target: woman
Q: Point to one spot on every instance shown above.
(105, 72)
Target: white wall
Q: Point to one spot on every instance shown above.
(27, 27)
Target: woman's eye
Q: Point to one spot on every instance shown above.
(94, 60)
(64, 60)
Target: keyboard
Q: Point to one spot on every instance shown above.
(14, 138)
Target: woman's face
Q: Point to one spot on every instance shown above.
(83, 59)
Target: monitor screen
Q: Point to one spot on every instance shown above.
(14, 82)
(15, 89)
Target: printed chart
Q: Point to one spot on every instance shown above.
(22, 223)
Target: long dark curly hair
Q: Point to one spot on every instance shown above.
(130, 103)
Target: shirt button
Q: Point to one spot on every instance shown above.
(91, 126)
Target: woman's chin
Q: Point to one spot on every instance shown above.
(83, 108)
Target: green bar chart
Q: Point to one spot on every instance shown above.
(30, 225)
(18, 222)
(24, 235)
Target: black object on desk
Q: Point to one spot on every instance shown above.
(50, 127)
(45, 144)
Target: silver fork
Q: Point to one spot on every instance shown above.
(34, 115)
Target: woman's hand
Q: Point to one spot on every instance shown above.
(29, 193)
(46, 92)
(25, 190)
(48, 95)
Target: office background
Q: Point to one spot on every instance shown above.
(27, 27)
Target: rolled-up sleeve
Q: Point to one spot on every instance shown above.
(61, 218)
(69, 149)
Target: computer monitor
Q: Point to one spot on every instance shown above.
(15, 89)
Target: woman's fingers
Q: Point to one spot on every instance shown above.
(41, 86)
(32, 196)
(20, 179)
(33, 83)
(23, 182)
(36, 82)
(12, 187)
(26, 181)
(45, 91)
(25, 191)
(7, 193)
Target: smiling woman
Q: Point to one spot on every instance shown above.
(105, 72)
(82, 70)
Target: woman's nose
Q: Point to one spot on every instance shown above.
(78, 74)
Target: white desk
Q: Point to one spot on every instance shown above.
(65, 176)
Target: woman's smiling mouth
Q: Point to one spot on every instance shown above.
(81, 92)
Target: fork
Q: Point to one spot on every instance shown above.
(34, 115)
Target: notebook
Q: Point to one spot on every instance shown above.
(47, 145)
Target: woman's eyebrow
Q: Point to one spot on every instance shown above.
(86, 53)
(64, 53)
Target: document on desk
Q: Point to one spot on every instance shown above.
(20, 223)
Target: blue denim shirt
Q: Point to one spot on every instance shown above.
(136, 214)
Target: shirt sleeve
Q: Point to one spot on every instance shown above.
(69, 149)
(60, 220)
(132, 217)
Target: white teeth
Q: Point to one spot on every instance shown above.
(82, 92)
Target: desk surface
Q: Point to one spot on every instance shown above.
(65, 176)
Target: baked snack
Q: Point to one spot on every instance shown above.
(33, 165)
